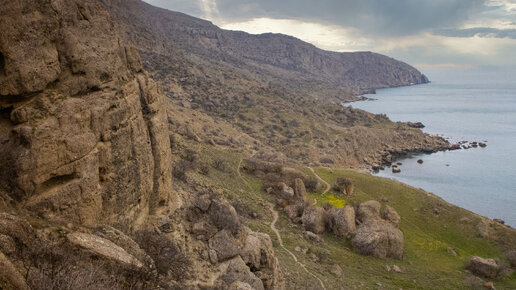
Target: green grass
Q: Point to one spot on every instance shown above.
(426, 264)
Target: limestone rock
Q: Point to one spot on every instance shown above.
(87, 137)
(343, 221)
(203, 202)
(369, 210)
(300, 190)
(294, 211)
(380, 239)
(224, 216)
(10, 278)
(225, 245)
(258, 254)
(314, 219)
(236, 270)
(103, 248)
(483, 267)
(391, 215)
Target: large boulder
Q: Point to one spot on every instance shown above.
(294, 211)
(484, 267)
(225, 245)
(315, 219)
(390, 214)
(224, 216)
(258, 254)
(300, 190)
(103, 248)
(17, 229)
(369, 210)
(343, 221)
(380, 239)
(235, 270)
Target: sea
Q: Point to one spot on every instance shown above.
(470, 105)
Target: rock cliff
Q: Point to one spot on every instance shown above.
(83, 132)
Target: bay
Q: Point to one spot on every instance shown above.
(473, 105)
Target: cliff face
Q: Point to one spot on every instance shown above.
(83, 132)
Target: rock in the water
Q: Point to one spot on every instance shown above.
(314, 219)
(369, 210)
(380, 239)
(343, 221)
(484, 267)
(396, 170)
(391, 215)
(420, 161)
(103, 248)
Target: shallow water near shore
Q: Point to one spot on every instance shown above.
(460, 105)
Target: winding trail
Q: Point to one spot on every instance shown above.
(275, 216)
(328, 186)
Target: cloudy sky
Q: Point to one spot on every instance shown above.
(451, 34)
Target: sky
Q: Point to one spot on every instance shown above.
(430, 34)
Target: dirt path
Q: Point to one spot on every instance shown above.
(280, 240)
(275, 216)
(328, 186)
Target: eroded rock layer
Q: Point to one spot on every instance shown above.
(82, 127)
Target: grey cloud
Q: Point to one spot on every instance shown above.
(480, 31)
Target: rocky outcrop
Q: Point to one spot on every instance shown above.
(484, 267)
(10, 278)
(315, 219)
(343, 221)
(375, 236)
(83, 132)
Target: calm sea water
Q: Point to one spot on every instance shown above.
(461, 105)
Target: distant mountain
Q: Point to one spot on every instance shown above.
(166, 38)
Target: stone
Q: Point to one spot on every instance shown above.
(313, 237)
(336, 270)
(225, 245)
(10, 278)
(344, 186)
(489, 285)
(343, 221)
(483, 267)
(391, 215)
(451, 251)
(125, 242)
(300, 190)
(203, 202)
(294, 210)
(258, 254)
(103, 248)
(483, 229)
(380, 239)
(236, 270)
(511, 256)
(224, 216)
(369, 210)
(314, 219)
(237, 285)
(396, 170)
(420, 161)
(500, 221)
(16, 228)
(7, 244)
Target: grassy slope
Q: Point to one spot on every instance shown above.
(427, 235)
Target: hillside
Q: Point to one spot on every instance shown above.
(278, 90)
(274, 58)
